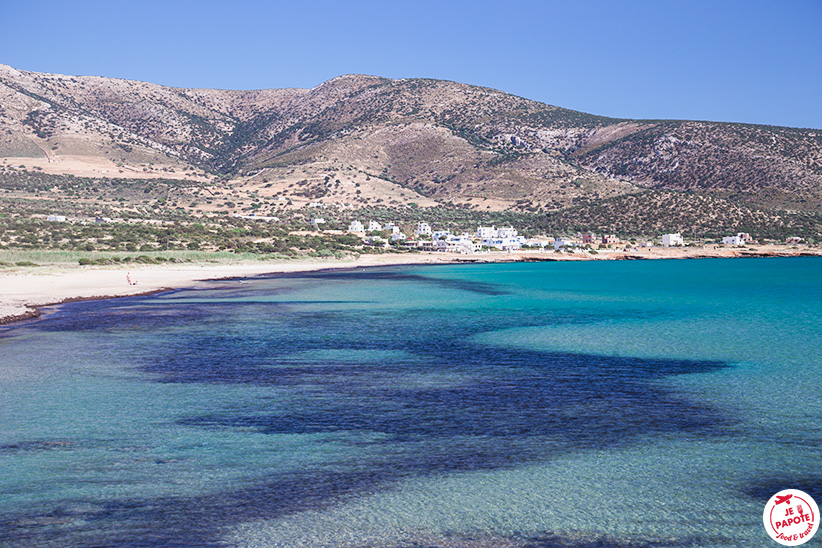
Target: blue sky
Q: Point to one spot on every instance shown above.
(740, 61)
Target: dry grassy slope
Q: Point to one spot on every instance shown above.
(447, 141)
(49, 114)
(113, 117)
(428, 141)
(510, 149)
(655, 212)
(759, 165)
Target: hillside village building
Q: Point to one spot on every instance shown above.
(486, 232)
(670, 240)
(458, 244)
(504, 238)
(559, 243)
(589, 238)
(503, 244)
(609, 239)
(506, 232)
(423, 229)
(739, 239)
(542, 244)
(356, 226)
(374, 226)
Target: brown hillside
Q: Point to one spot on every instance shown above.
(362, 140)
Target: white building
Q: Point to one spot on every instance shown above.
(356, 226)
(670, 240)
(459, 244)
(739, 239)
(441, 234)
(374, 226)
(486, 232)
(542, 244)
(56, 218)
(559, 243)
(424, 245)
(506, 232)
(392, 227)
(423, 228)
(397, 236)
(317, 221)
(503, 238)
(503, 244)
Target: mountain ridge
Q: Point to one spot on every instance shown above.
(359, 140)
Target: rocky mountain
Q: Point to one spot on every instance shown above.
(365, 140)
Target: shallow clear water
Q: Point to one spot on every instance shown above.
(652, 403)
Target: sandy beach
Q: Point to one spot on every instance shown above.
(24, 289)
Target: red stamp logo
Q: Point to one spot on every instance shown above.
(791, 517)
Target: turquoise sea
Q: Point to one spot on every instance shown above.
(562, 404)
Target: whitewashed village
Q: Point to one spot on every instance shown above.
(507, 239)
(288, 236)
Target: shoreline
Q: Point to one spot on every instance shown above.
(23, 291)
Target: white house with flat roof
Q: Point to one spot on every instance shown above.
(356, 226)
(503, 244)
(542, 244)
(423, 229)
(740, 239)
(670, 240)
(374, 226)
(507, 232)
(486, 232)
(457, 244)
(559, 243)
